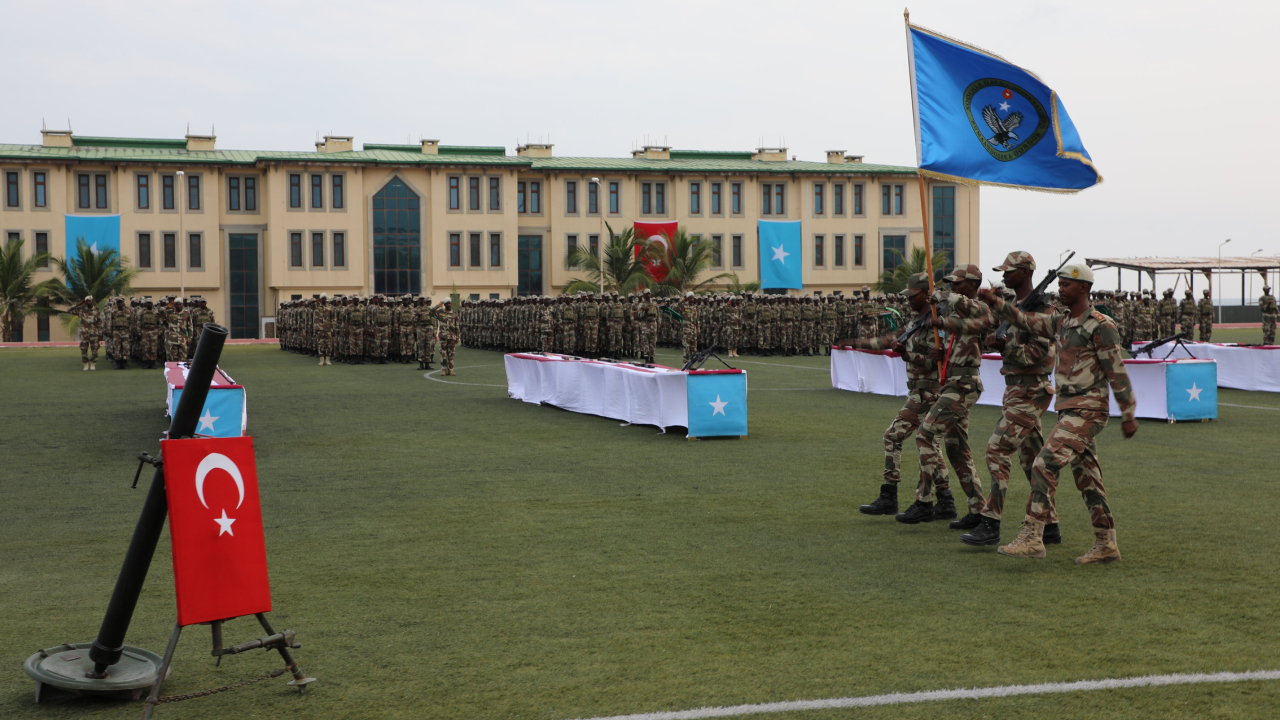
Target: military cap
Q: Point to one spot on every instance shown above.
(1266, 288)
(1081, 273)
(916, 284)
(1017, 259)
(1188, 292)
(964, 272)
(1206, 293)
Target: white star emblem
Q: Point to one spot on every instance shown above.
(207, 420)
(1194, 392)
(94, 246)
(719, 407)
(225, 523)
(780, 255)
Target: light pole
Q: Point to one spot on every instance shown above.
(182, 271)
(1219, 298)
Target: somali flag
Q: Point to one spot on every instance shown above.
(982, 119)
(224, 413)
(780, 251)
(99, 232)
(717, 403)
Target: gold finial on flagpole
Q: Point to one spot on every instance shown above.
(906, 14)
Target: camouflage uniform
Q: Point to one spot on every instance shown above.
(1167, 312)
(381, 316)
(175, 334)
(149, 324)
(689, 327)
(355, 331)
(590, 327)
(202, 316)
(90, 331)
(1267, 304)
(1187, 310)
(922, 394)
(322, 321)
(547, 328)
(647, 322)
(120, 322)
(449, 336)
(1205, 310)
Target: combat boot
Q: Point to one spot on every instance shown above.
(1028, 544)
(886, 504)
(946, 507)
(987, 533)
(86, 367)
(1052, 535)
(124, 363)
(920, 511)
(968, 522)
(1104, 549)
(93, 366)
(321, 361)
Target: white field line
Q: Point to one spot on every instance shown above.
(454, 382)
(1251, 407)
(965, 694)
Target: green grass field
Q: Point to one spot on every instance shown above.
(446, 552)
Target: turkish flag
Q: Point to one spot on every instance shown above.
(215, 522)
(660, 233)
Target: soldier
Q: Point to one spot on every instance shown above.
(1205, 310)
(617, 314)
(808, 326)
(119, 329)
(1187, 312)
(590, 326)
(922, 394)
(1267, 304)
(424, 332)
(1144, 328)
(202, 316)
(569, 325)
(547, 326)
(322, 321)
(1028, 360)
(1167, 313)
(1089, 360)
(689, 326)
(449, 336)
(647, 322)
(967, 323)
(381, 316)
(175, 333)
(149, 324)
(829, 323)
(90, 330)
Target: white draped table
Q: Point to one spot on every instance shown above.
(641, 396)
(1244, 367)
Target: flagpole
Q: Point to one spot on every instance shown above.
(924, 208)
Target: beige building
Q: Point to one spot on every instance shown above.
(248, 230)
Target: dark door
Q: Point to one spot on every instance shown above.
(244, 285)
(529, 264)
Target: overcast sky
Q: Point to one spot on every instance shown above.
(1176, 102)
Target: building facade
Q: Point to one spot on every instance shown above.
(248, 230)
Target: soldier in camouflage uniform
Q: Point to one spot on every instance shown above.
(448, 336)
(547, 326)
(689, 325)
(828, 324)
(90, 330)
(808, 326)
(1267, 304)
(1187, 313)
(1028, 360)
(355, 331)
(1167, 315)
(322, 322)
(1144, 321)
(967, 324)
(381, 316)
(149, 324)
(177, 327)
(424, 332)
(200, 317)
(647, 323)
(1205, 312)
(767, 318)
(119, 329)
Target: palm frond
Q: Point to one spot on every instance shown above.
(893, 281)
(100, 274)
(19, 293)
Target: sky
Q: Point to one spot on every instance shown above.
(1175, 101)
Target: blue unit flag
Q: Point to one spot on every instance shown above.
(223, 413)
(717, 403)
(780, 254)
(981, 119)
(99, 232)
(1191, 387)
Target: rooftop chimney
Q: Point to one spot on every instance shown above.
(652, 152)
(336, 143)
(771, 154)
(201, 142)
(534, 150)
(430, 147)
(835, 156)
(853, 158)
(56, 138)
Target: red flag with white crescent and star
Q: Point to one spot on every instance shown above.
(215, 523)
(660, 233)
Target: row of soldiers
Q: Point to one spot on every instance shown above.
(376, 329)
(1140, 316)
(142, 330)
(633, 325)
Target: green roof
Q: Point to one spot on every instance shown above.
(711, 155)
(472, 150)
(716, 166)
(152, 143)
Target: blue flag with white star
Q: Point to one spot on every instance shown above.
(981, 119)
(99, 232)
(1191, 387)
(223, 413)
(717, 403)
(780, 254)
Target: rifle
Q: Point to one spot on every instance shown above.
(668, 310)
(1162, 341)
(701, 356)
(918, 323)
(1035, 298)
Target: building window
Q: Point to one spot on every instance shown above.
(522, 190)
(193, 192)
(897, 199)
(170, 250)
(646, 198)
(455, 193)
(40, 185)
(100, 191)
(339, 198)
(819, 193)
(473, 193)
(144, 250)
(12, 237)
(660, 198)
(695, 198)
(295, 249)
(495, 193)
(593, 198)
(193, 250)
(717, 208)
(857, 251)
(593, 243)
(779, 199)
(317, 192)
(455, 249)
(339, 249)
(82, 192)
(891, 200)
(766, 199)
(571, 243)
(818, 247)
(295, 191)
(233, 194)
(251, 194)
(717, 251)
(837, 250)
(495, 249)
(535, 197)
(571, 197)
(317, 249)
(11, 183)
(737, 199)
(397, 239)
(895, 249)
(737, 251)
(473, 244)
(857, 199)
(944, 224)
(614, 207)
(42, 328)
(42, 247)
(167, 192)
(837, 198)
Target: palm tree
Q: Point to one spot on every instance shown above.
(893, 281)
(100, 274)
(738, 287)
(620, 267)
(686, 258)
(18, 294)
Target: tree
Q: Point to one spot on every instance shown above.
(738, 287)
(687, 257)
(19, 294)
(620, 266)
(100, 274)
(893, 281)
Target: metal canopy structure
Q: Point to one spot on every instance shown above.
(1206, 265)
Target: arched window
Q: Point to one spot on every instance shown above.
(397, 239)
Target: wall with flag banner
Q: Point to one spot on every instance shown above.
(224, 413)
(980, 118)
(99, 232)
(717, 403)
(781, 255)
(656, 232)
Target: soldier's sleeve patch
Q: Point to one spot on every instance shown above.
(1107, 334)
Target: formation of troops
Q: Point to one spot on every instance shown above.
(141, 329)
(377, 329)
